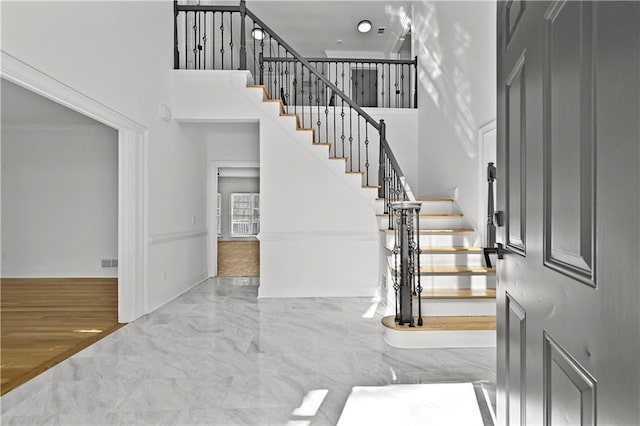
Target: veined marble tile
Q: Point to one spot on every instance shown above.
(219, 356)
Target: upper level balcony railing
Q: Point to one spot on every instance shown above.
(218, 37)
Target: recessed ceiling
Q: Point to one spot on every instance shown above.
(24, 107)
(314, 27)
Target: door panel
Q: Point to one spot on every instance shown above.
(569, 394)
(569, 154)
(516, 152)
(515, 347)
(568, 108)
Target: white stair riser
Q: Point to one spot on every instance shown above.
(475, 259)
(454, 222)
(469, 239)
(458, 281)
(446, 259)
(436, 207)
(440, 339)
(456, 307)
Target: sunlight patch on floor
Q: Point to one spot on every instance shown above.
(420, 404)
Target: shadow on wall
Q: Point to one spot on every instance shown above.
(449, 88)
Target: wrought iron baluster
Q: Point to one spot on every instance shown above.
(402, 85)
(418, 253)
(342, 137)
(204, 41)
(261, 57)
(295, 87)
(287, 82)
(325, 94)
(302, 93)
(396, 255)
(388, 85)
(382, 86)
(310, 98)
(176, 48)
(366, 151)
(396, 87)
(231, 37)
(359, 145)
(318, 123)
(350, 139)
(213, 41)
(222, 40)
(362, 99)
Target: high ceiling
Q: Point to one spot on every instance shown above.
(314, 27)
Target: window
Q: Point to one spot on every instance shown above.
(245, 214)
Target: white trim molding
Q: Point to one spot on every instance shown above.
(212, 206)
(174, 236)
(132, 177)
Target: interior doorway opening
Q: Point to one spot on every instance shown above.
(60, 214)
(234, 219)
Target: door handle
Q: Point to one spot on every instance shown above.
(498, 249)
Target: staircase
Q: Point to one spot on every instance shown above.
(458, 291)
(326, 142)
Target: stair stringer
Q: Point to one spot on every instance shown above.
(319, 236)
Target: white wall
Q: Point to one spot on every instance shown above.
(455, 44)
(59, 201)
(232, 141)
(120, 54)
(318, 235)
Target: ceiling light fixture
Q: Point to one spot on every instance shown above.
(257, 33)
(364, 26)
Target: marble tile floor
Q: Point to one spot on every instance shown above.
(219, 356)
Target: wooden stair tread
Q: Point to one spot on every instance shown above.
(447, 250)
(437, 231)
(446, 323)
(427, 199)
(458, 293)
(455, 270)
(338, 158)
(431, 215)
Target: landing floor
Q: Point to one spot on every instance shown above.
(219, 356)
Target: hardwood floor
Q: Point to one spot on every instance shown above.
(238, 258)
(44, 321)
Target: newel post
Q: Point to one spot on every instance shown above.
(381, 164)
(176, 51)
(243, 36)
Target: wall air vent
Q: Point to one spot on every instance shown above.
(381, 30)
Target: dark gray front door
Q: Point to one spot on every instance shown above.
(569, 155)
